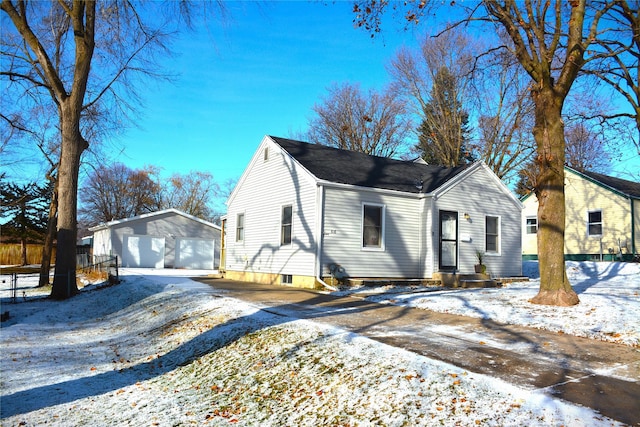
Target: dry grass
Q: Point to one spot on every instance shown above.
(11, 254)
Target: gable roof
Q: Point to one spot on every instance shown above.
(105, 225)
(627, 188)
(359, 169)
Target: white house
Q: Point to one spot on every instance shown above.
(301, 212)
(167, 238)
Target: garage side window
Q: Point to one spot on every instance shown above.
(285, 228)
(492, 234)
(240, 227)
(594, 226)
(372, 226)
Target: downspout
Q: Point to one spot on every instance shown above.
(633, 227)
(320, 237)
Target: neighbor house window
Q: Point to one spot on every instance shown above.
(240, 227)
(492, 234)
(372, 226)
(532, 225)
(594, 225)
(285, 229)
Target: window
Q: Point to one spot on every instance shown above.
(492, 234)
(532, 225)
(594, 225)
(286, 279)
(240, 227)
(285, 229)
(372, 226)
(266, 154)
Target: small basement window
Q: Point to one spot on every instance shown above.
(286, 279)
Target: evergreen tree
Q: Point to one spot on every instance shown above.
(26, 207)
(444, 132)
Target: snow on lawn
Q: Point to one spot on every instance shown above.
(162, 350)
(609, 308)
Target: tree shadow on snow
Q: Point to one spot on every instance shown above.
(37, 398)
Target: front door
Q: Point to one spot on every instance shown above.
(448, 251)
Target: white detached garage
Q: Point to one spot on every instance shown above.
(164, 239)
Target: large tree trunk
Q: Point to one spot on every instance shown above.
(548, 132)
(73, 144)
(47, 248)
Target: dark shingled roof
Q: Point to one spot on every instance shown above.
(353, 168)
(629, 188)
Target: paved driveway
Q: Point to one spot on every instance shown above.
(603, 376)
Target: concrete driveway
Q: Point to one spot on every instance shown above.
(603, 376)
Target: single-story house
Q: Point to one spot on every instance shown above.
(602, 218)
(302, 213)
(164, 239)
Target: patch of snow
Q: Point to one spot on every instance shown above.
(160, 349)
(609, 308)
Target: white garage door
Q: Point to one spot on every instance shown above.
(195, 253)
(143, 251)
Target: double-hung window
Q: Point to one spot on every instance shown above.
(286, 225)
(532, 225)
(372, 226)
(492, 234)
(594, 223)
(240, 227)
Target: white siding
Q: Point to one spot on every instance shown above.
(265, 187)
(342, 243)
(480, 194)
(196, 253)
(168, 225)
(102, 242)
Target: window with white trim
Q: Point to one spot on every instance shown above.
(594, 223)
(532, 225)
(240, 227)
(492, 234)
(286, 225)
(286, 279)
(372, 226)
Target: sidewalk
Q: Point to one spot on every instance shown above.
(583, 371)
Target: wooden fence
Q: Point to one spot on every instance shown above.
(11, 254)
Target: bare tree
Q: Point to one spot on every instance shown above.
(617, 58)
(193, 193)
(375, 123)
(585, 151)
(85, 57)
(551, 41)
(504, 108)
(116, 192)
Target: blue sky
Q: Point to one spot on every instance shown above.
(260, 74)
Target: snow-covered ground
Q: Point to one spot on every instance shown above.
(160, 349)
(609, 308)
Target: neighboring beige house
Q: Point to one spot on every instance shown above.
(302, 213)
(602, 218)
